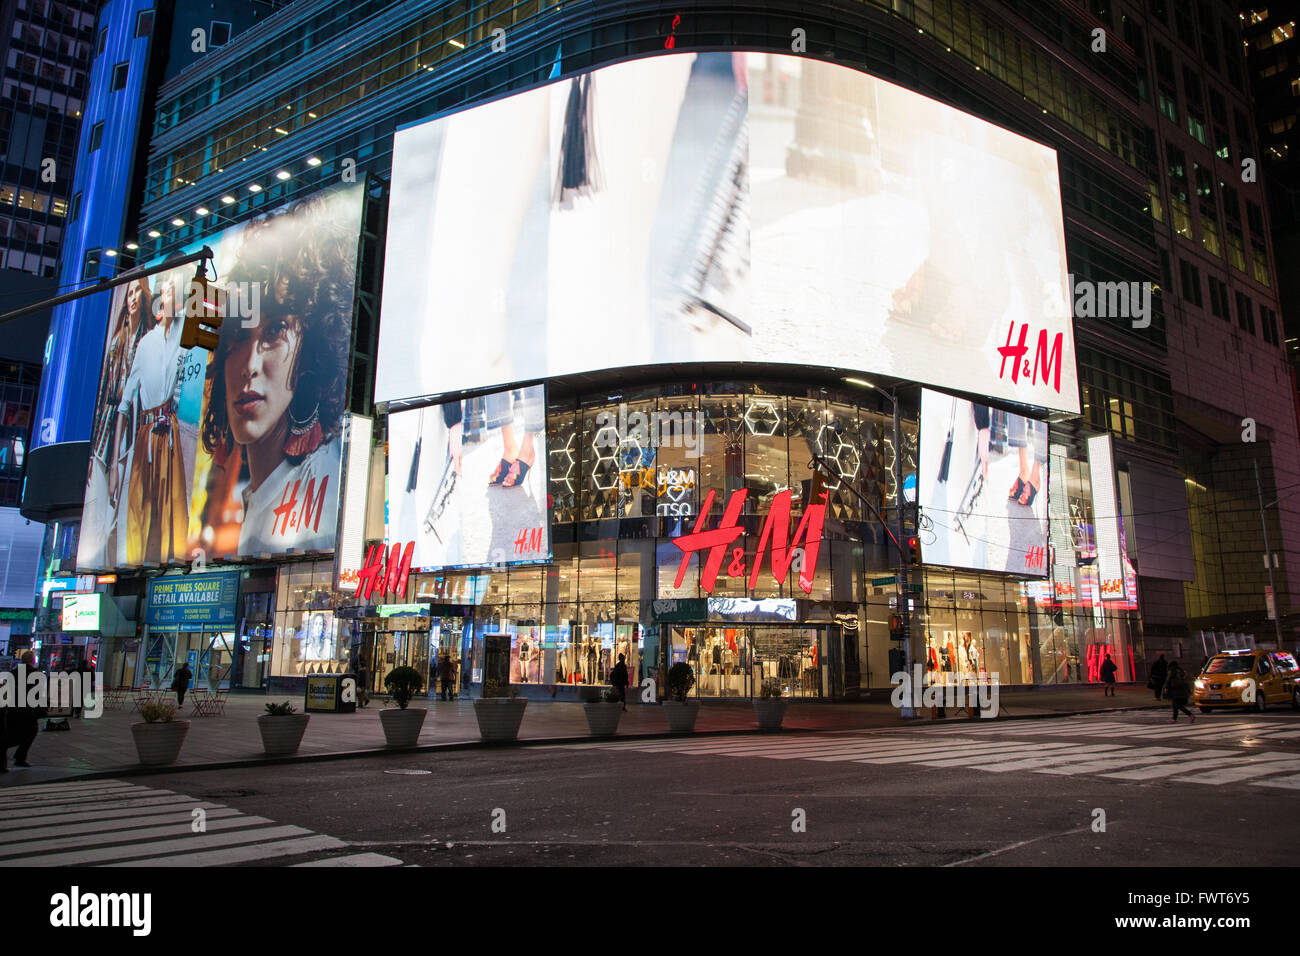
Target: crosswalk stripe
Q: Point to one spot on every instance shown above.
(1235, 773)
(57, 787)
(243, 854)
(65, 828)
(184, 845)
(1048, 759)
(1132, 757)
(936, 751)
(355, 859)
(140, 801)
(1039, 756)
(1009, 750)
(70, 789)
(1197, 760)
(159, 806)
(1284, 783)
(33, 802)
(87, 840)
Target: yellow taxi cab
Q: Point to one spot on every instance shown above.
(1248, 678)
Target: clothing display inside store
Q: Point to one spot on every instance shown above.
(571, 655)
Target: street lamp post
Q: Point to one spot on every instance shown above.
(1268, 558)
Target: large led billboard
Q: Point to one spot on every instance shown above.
(724, 207)
(982, 479)
(234, 453)
(467, 481)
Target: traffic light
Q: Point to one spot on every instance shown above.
(202, 313)
(896, 628)
(914, 551)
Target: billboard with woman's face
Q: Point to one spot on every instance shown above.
(237, 452)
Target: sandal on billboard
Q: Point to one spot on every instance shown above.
(502, 470)
(518, 472)
(1017, 489)
(1029, 494)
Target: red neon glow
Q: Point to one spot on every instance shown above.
(382, 575)
(775, 535)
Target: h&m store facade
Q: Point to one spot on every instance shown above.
(598, 409)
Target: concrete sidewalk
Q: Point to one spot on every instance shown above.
(104, 746)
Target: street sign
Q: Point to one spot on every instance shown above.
(1271, 602)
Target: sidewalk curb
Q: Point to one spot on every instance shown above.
(246, 763)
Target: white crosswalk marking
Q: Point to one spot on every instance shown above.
(1132, 751)
(112, 823)
(356, 859)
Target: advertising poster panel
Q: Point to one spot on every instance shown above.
(467, 481)
(724, 207)
(983, 487)
(235, 453)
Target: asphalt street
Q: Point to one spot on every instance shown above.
(1030, 792)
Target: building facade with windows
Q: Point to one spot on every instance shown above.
(313, 96)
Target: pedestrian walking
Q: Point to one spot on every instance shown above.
(1179, 691)
(444, 677)
(1108, 670)
(618, 680)
(87, 674)
(1159, 671)
(181, 683)
(18, 722)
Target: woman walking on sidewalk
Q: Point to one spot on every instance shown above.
(1179, 691)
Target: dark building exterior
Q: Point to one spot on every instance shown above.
(1147, 106)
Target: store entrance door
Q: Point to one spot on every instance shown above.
(735, 660)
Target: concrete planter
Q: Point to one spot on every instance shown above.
(602, 718)
(681, 716)
(159, 742)
(402, 727)
(499, 718)
(770, 712)
(281, 735)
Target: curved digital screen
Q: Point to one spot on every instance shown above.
(724, 207)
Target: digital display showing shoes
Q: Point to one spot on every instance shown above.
(982, 487)
(467, 481)
(724, 207)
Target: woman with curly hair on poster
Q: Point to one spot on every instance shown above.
(157, 515)
(278, 384)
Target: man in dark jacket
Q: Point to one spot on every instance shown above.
(1159, 671)
(181, 683)
(618, 680)
(1108, 670)
(19, 723)
(1179, 691)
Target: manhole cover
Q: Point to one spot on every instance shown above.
(409, 773)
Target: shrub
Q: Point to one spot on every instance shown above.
(158, 713)
(681, 678)
(771, 688)
(280, 710)
(403, 683)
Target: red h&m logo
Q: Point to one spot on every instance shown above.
(1047, 363)
(385, 576)
(1036, 557)
(289, 517)
(775, 534)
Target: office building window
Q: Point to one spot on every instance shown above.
(144, 23)
(119, 76)
(1219, 298)
(1191, 277)
(1245, 313)
(218, 33)
(90, 264)
(96, 136)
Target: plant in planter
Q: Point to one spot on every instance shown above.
(402, 723)
(681, 714)
(603, 714)
(158, 739)
(281, 729)
(769, 706)
(499, 712)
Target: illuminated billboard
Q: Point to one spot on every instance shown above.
(235, 453)
(81, 612)
(982, 487)
(467, 481)
(724, 207)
